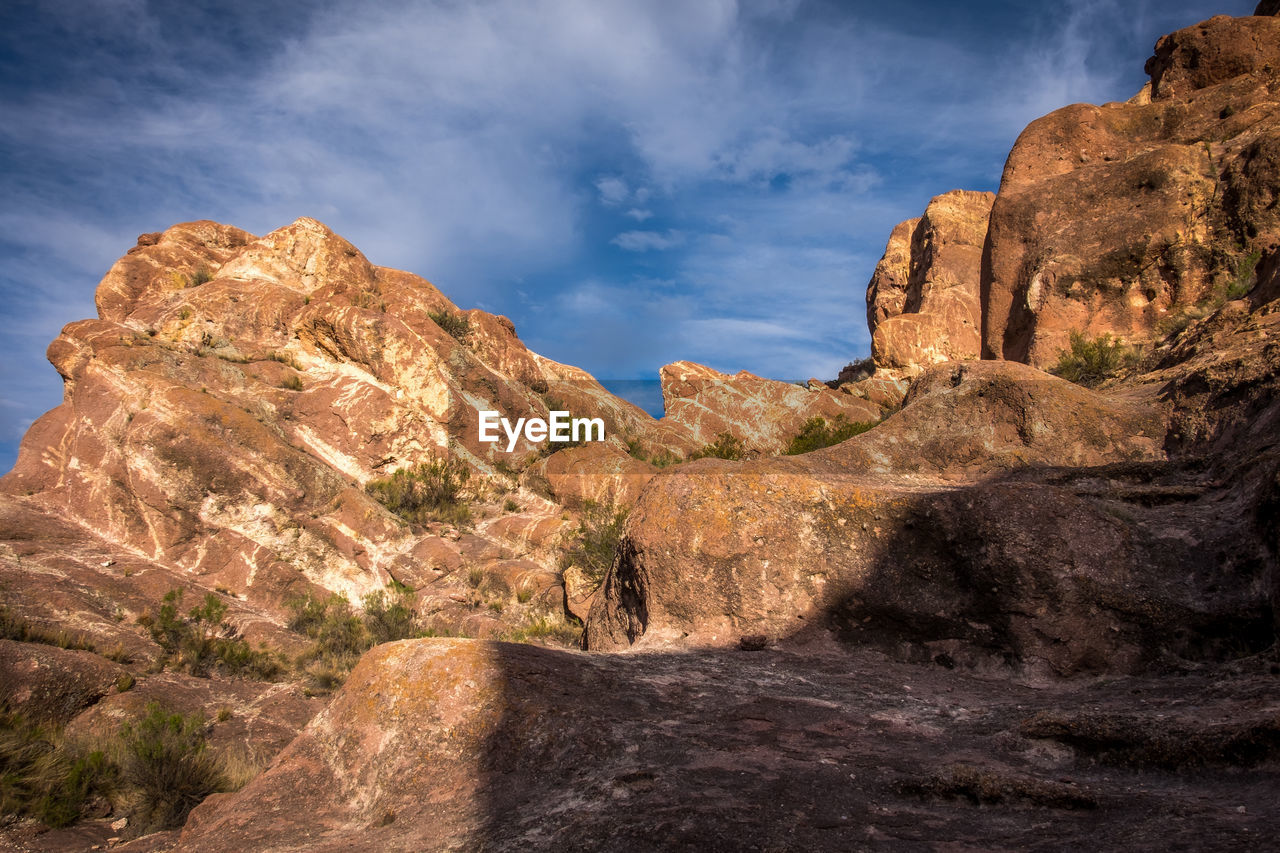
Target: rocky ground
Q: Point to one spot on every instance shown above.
(804, 746)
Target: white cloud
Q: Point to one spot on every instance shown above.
(640, 215)
(644, 241)
(613, 191)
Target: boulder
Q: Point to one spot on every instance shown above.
(923, 301)
(50, 684)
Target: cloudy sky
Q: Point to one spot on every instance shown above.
(632, 182)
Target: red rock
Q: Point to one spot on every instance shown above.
(923, 302)
(763, 413)
(1179, 191)
(47, 683)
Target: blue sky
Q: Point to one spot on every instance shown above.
(631, 182)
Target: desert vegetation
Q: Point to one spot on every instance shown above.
(817, 433)
(429, 491)
(594, 542)
(157, 768)
(201, 641)
(726, 446)
(1091, 361)
(340, 634)
(453, 324)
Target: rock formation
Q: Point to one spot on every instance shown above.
(499, 747)
(763, 413)
(1004, 515)
(924, 304)
(1179, 189)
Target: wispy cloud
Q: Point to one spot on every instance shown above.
(646, 241)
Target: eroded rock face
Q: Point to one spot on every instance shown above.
(763, 413)
(466, 745)
(1002, 516)
(222, 415)
(599, 472)
(50, 684)
(923, 302)
(1179, 189)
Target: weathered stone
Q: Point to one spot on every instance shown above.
(923, 302)
(50, 684)
(764, 414)
(1179, 192)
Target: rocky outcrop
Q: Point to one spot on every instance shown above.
(997, 490)
(1179, 189)
(923, 302)
(600, 473)
(50, 684)
(222, 415)
(762, 413)
(465, 745)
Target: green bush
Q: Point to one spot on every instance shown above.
(166, 761)
(454, 325)
(157, 770)
(816, 433)
(340, 635)
(202, 275)
(596, 540)
(430, 490)
(726, 446)
(1090, 361)
(389, 617)
(202, 640)
(43, 777)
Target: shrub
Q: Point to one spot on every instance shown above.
(340, 635)
(292, 383)
(430, 490)
(371, 300)
(725, 446)
(1090, 361)
(202, 275)
(596, 540)
(454, 325)
(167, 762)
(43, 777)
(390, 617)
(203, 640)
(284, 358)
(547, 628)
(816, 433)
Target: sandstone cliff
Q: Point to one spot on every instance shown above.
(1178, 187)
(924, 305)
